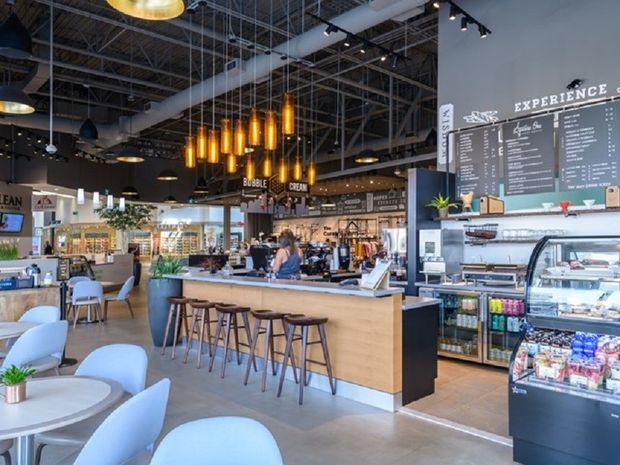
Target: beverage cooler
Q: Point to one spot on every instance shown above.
(504, 321)
(564, 393)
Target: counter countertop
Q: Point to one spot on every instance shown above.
(472, 288)
(295, 285)
(26, 290)
(413, 302)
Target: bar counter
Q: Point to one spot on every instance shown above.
(364, 330)
(13, 303)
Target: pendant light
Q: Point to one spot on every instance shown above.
(201, 187)
(288, 114)
(15, 40)
(250, 168)
(130, 191)
(80, 196)
(231, 164)
(109, 202)
(201, 144)
(298, 171)
(283, 170)
(190, 152)
(239, 138)
(271, 130)
(130, 154)
(254, 131)
(201, 132)
(96, 200)
(88, 130)
(15, 101)
(167, 175)
(170, 199)
(213, 149)
(156, 10)
(226, 136)
(311, 174)
(121, 204)
(267, 165)
(311, 169)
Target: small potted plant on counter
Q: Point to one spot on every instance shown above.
(159, 289)
(442, 204)
(14, 379)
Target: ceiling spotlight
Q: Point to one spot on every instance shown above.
(330, 28)
(464, 22)
(436, 5)
(348, 41)
(453, 13)
(384, 57)
(15, 40)
(574, 84)
(483, 31)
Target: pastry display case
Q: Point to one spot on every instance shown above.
(564, 397)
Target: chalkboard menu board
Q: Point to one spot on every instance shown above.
(529, 162)
(477, 161)
(589, 144)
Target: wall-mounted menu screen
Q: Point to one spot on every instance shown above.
(477, 161)
(529, 166)
(589, 147)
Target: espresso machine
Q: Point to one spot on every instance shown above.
(344, 256)
(441, 252)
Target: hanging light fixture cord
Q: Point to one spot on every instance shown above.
(52, 72)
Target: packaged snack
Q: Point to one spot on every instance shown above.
(593, 370)
(520, 364)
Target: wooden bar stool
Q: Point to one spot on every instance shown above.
(304, 323)
(178, 311)
(227, 320)
(269, 317)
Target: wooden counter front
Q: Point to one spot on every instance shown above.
(364, 333)
(13, 304)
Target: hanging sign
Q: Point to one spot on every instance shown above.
(43, 203)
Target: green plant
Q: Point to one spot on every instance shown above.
(8, 251)
(166, 265)
(134, 217)
(16, 375)
(441, 202)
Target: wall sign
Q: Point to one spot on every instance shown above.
(445, 125)
(478, 161)
(11, 202)
(43, 203)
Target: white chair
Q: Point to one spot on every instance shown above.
(129, 433)
(122, 296)
(40, 347)
(87, 294)
(124, 363)
(5, 447)
(41, 314)
(216, 441)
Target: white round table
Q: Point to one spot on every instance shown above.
(13, 329)
(52, 403)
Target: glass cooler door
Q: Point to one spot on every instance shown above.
(505, 318)
(460, 323)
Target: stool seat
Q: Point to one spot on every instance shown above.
(302, 320)
(231, 309)
(227, 322)
(267, 315)
(179, 300)
(200, 304)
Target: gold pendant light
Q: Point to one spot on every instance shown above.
(288, 114)
(190, 152)
(311, 174)
(213, 147)
(254, 131)
(267, 166)
(226, 136)
(231, 164)
(240, 138)
(271, 130)
(250, 168)
(201, 144)
(298, 170)
(283, 170)
(157, 10)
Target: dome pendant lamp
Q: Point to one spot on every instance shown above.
(14, 101)
(288, 114)
(88, 130)
(156, 10)
(15, 40)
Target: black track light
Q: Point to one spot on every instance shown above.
(384, 56)
(453, 13)
(330, 28)
(364, 47)
(574, 84)
(394, 60)
(436, 5)
(348, 41)
(482, 30)
(464, 22)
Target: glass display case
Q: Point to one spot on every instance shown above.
(564, 400)
(505, 320)
(460, 324)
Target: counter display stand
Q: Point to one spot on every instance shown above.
(564, 393)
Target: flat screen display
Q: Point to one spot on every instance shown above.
(11, 222)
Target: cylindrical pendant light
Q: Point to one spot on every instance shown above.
(190, 152)
(121, 204)
(109, 202)
(213, 147)
(254, 130)
(288, 114)
(226, 136)
(311, 174)
(157, 10)
(250, 168)
(201, 143)
(271, 130)
(80, 196)
(231, 164)
(239, 139)
(96, 200)
(298, 170)
(267, 165)
(283, 170)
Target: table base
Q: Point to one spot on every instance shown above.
(25, 450)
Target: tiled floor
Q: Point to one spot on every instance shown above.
(326, 430)
(469, 394)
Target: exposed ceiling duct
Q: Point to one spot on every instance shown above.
(355, 20)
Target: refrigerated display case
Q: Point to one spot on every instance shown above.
(564, 396)
(504, 322)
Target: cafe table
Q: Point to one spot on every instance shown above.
(13, 329)
(52, 403)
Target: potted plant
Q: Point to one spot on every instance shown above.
(8, 250)
(14, 378)
(133, 217)
(159, 289)
(442, 204)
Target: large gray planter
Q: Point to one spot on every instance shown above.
(158, 292)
